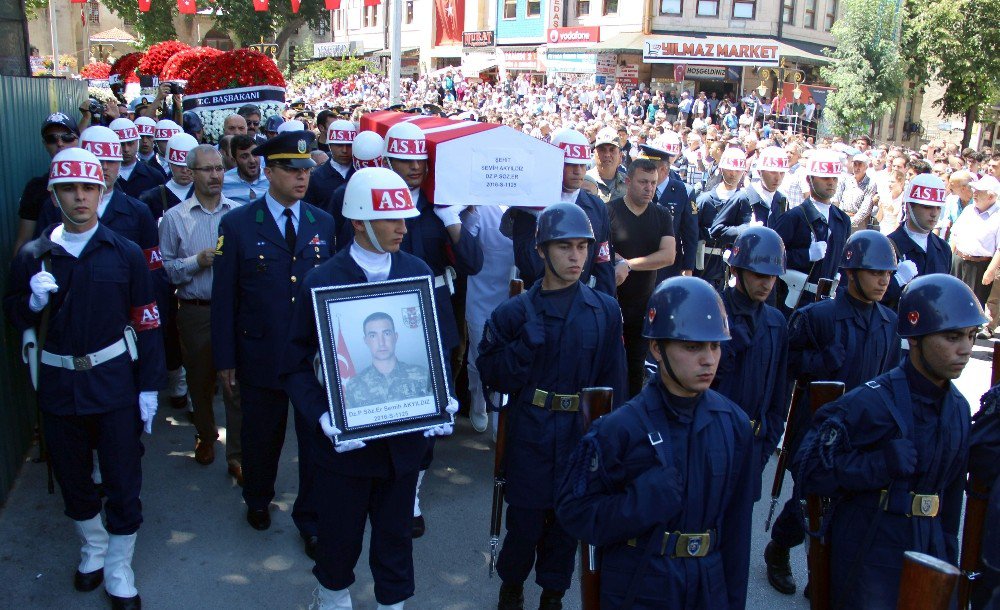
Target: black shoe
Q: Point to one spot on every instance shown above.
(259, 519)
(551, 600)
(88, 581)
(311, 544)
(779, 569)
(419, 527)
(179, 402)
(511, 597)
(805, 592)
(125, 603)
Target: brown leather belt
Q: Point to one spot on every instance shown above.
(973, 259)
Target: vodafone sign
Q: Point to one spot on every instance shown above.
(574, 36)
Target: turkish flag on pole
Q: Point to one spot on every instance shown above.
(144, 6)
(332, 5)
(187, 7)
(344, 362)
(373, 2)
(295, 5)
(260, 5)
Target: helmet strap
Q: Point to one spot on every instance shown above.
(66, 216)
(371, 236)
(670, 370)
(913, 219)
(857, 286)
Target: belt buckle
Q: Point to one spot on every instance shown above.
(924, 505)
(693, 545)
(565, 402)
(82, 363)
(539, 398)
(755, 427)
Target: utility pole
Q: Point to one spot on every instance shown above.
(395, 62)
(55, 38)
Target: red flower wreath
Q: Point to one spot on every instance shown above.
(97, 70)
(158, 55)
(125, 67)
(182, 65)
(235, 69)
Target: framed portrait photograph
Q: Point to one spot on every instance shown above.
(381, 358)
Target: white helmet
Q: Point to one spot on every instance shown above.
(378, 193)
(733, 158)
(165, 129)
(292, 125)
(126, 130)
(146, 126)
(925, 189)
(178, 147)
(75, 165)
(670, 142)
(825, 163)
(367, 150)
(575, 146)
(341, 132)
(405, 141)
(773, 159)
(102, 142)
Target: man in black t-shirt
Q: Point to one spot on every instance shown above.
(642, 234)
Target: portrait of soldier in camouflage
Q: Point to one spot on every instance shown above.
(387, 379)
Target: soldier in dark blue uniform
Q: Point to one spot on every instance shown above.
(984, 467)
(264, 251)
(97, 385)
(892, 454)
(664, 484)
(147, 152)
(599, 271)
(921, 252)
(180, 186)
(815, 231)
(359, 481)
(338, 170)
(135, 177)
(673, 195)
(523, 355)
(752, 370)
(760, 203)
(733, 167)
(851, 339)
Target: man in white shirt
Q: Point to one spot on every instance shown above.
(975, 236)
(245, 182)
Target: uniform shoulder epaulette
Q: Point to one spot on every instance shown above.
(873, 384)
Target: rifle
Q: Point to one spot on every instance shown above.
(823, 288)
(594, 403)
(32, 350)
(926, 583)
(975, 518)
(820, 393)
(500, 463)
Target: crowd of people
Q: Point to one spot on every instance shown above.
(701, 263)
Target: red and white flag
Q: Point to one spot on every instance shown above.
(295, 5)
(144, 6)
(260, 5)
(187, 7)
(332, 5)
(373, 2)
(344, 363)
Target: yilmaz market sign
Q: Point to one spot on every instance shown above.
(713, 51)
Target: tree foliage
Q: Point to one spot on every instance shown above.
(952, 43)
(156, 25)
(328, 69)
(868, 69)
(277, 24)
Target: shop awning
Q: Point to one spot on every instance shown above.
(113, 35)
(627, 42)
(806, 52)
(388, 52)
(706, 49)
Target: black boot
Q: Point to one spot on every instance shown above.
(551, 600)
(511, 597)
(779, 570)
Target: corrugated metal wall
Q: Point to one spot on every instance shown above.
(25, 102)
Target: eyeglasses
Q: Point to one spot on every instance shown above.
(208, 169)
(52, 138)
(253, 123)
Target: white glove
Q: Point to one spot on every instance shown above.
(905, 272)
(756, 223)
(148, 402)
(331, 431)
(41, 284)
(442, 430)
(817, 250)
(449, 214)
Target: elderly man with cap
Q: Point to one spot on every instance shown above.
(97, 383)
(147, 151)
(134, 176)
(164, 130)
(859, 190)
(607, 178)
(263, 252)
(976, 236)
(178, 187)
(59, 132)
(339, 169)
(245, 182)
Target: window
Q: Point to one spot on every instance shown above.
(370, 16)
(610, 7)
(338, 20)
(671, 7)
(744, 9)
(535, 8)
(510, 9)
(831, 14)
(94, 12)
(810, 18)
(582, 7)
(787, 11)
(409, 11)
(323, 27)
(708, 8)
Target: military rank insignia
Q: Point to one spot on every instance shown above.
(218, 245)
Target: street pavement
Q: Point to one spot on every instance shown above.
(196, 550)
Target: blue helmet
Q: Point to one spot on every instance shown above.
(935, 303)
(272, 123)
(192, 122)
(869, 250)
(760, 250)
(563, 221)
(686, 309)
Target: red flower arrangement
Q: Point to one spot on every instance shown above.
(158, 55)
(97, 70)
(182, 65)
(235, 69)
(125, 67)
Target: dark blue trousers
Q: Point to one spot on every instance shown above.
(71, 440)
(535, 539)
(265, 416)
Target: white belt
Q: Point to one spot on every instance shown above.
(84, 363)
(715, 251)
(446, 279)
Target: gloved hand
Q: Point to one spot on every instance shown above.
(905, 272)
(449, 214)
(534, 332)
(900, 458)
(148, 402)
(661, 486)
(41, 284)
(442, 430)
(756, 223)
(833, 356)
(331, 431)
(817, 250)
